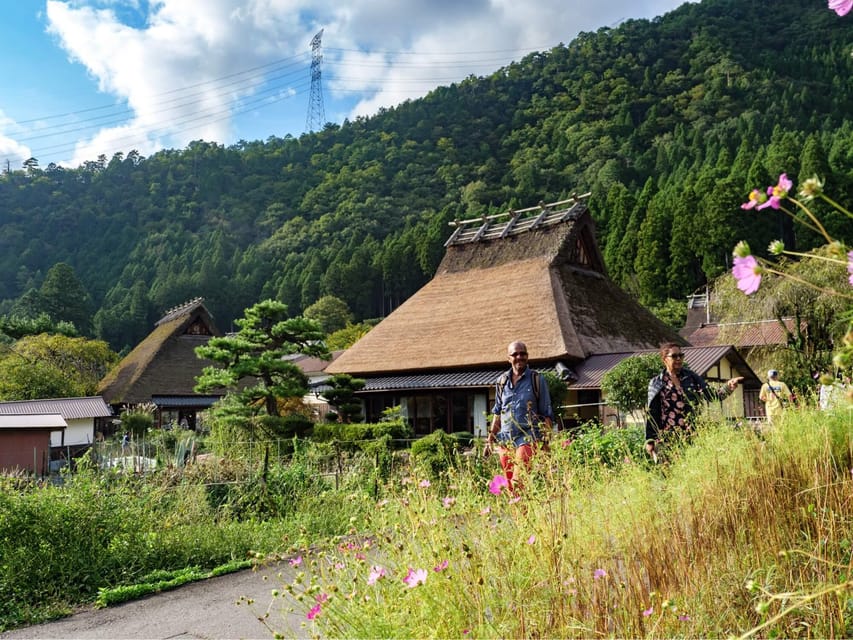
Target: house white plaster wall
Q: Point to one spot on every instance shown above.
(79, 431)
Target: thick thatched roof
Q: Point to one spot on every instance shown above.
(540, 280)
(164, 363)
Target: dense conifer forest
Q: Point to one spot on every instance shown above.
(668, 123)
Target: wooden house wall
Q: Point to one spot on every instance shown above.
(25, 449)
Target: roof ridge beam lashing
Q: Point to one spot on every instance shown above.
(515, 221)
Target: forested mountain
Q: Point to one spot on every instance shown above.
(669, 123)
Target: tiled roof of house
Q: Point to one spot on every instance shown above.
(698, 359)
(68, 408)
(741, 334)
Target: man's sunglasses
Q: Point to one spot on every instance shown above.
(675, 356)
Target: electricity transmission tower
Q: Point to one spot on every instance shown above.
(316, 114)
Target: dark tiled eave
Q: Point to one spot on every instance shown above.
(184, 401)
(427, 381)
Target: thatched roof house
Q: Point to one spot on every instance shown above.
(535, 275)
(163, 367)
(540, 279)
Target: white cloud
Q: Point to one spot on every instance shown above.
(172, 64)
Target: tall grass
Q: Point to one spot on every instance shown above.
(741, 534)
(63, 545)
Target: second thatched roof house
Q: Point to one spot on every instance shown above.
(161, 370)
(535, 275)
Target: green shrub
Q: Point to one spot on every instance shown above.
(350, 436)
(435, 454)
(592, 445)
(137, 420)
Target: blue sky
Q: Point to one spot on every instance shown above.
(81, 78)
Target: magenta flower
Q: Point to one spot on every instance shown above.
(777, 193)
(747, 273)
(850, 261)
(648, 612)
(321, 598)
(313, 612)
(531, 540)
(376, 573)
(598, 574)
(415, 577)
(295, 562)
(841, 7)
(441, 566)
(756, 197)
(498, 483)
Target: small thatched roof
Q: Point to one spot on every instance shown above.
(540, 280)
(164, 363)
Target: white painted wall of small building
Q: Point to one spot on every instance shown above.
(79, 431)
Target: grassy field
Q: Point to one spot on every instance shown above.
(740, 535)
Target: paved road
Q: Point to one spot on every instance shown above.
(211, 609)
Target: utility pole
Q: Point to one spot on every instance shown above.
(316, 114)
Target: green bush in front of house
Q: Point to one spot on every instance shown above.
(435, 454)
(595, 446)
(349, 436)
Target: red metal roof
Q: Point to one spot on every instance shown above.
(698, 359)
(741, 334)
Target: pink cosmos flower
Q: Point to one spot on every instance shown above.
(684, 618)
(313, 612)
(424, 483)
(441, 566)
(777, 193)
(498, 483)
(448, 502)
(514, 500)
(756, 197)
(850, 261)
(598, 574)
(295, 562)
(486, 511)
(376, 573)
(648, 612)
(841, 7)
(531, 540)
(321, 598)
(747, 273)
(415, 577)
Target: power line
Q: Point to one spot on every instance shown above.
(178, 110)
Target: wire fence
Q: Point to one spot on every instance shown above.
(334, 461)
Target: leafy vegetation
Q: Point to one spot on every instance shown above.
(750, 543)
(51, 365)
(626, 385)
(667, 122)
(254, 366)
